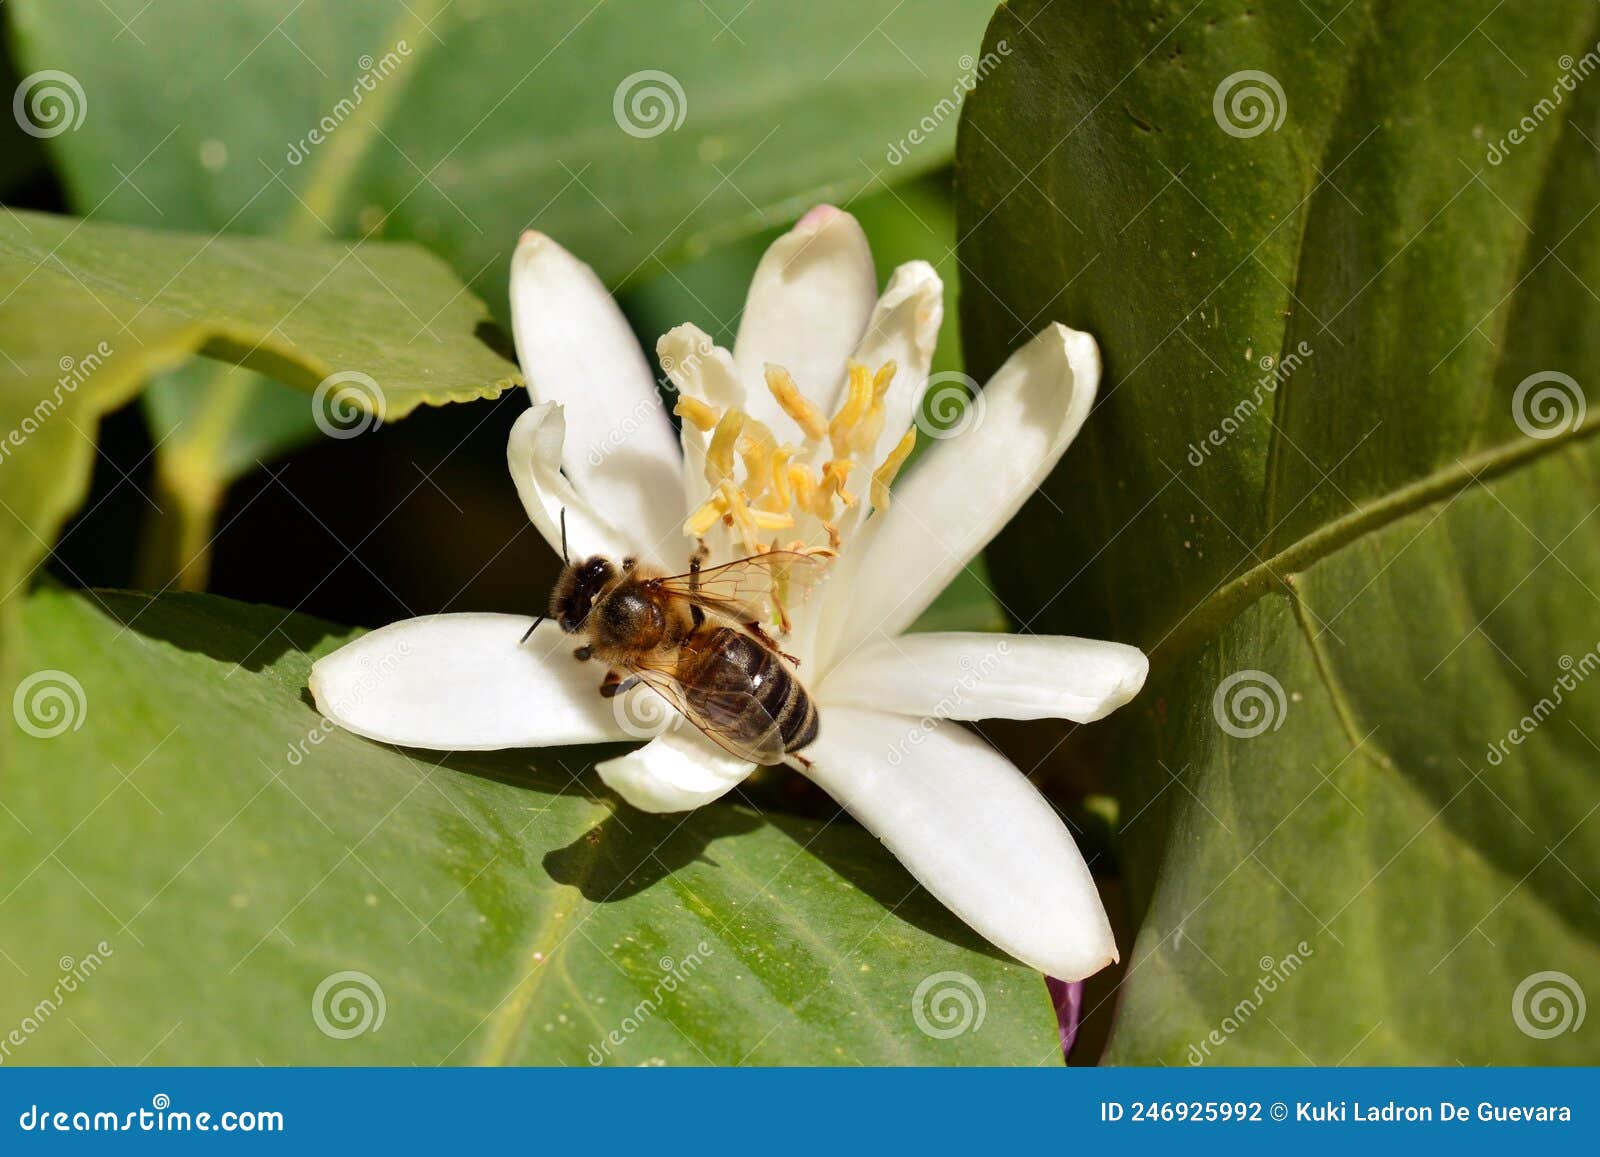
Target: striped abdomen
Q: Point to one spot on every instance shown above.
(742, 689)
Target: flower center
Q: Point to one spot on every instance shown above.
(779, 489)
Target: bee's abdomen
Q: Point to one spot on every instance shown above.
(745, 688)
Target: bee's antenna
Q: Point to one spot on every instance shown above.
(564, 534)
(528, 634)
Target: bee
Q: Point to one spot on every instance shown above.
(697, 641)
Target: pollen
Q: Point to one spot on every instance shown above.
(786, 485)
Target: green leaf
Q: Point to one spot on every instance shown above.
(234, 852)
(1315, 466)
(91, 310)
(460, 125)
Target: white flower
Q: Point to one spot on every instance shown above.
(598, 442)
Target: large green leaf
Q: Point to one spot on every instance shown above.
(89, 311)
(235, 855)
(459, 125)
(1315, 470)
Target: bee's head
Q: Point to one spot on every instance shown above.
(575, 591)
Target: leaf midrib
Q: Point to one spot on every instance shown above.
(1224, 604)
(1233, 597)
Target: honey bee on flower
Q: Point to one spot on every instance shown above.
(791, 445)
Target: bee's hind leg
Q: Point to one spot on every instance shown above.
(767, 641)
(614, 684)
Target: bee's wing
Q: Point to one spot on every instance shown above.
(744, 589)
(735, 720)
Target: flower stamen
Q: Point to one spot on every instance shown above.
(724, 440)
(794, 403)
(885, 473)
(782, 483)
(698, 414)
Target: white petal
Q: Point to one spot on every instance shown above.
(464, 683)
(809, 304)
(576, 348)
(675, 771)
(705, 371)
(965, 488)
(971, 675)
(904, 328)
(973, 830)
(533, 455)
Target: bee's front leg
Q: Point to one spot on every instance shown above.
(614, 684)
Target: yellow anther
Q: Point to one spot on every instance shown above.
(705, 518)
(771, 519)
(885, 473)
(864, 438)
(757, 447)
(748, 521)
(807, 497)
(697, 413)
(882, 379)
(834, 475)
(857, 401)
(782, 491)
(719, 455)
(794, 403)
